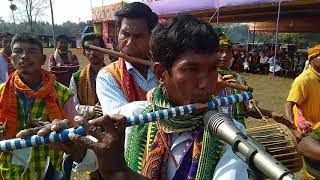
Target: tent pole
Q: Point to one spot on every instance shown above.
(218, 13)
(276, 43)
(254, 33)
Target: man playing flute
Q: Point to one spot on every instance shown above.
(185, 51)
(30, 94)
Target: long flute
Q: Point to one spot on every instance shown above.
(128, 58)
(63, 136)
(132, 59)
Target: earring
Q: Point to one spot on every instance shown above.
(163, 88)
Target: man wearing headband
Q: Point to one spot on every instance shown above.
(302, 106)
(178, 148)
(243, 109)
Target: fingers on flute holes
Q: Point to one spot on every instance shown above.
(84, 141)
(28, 132)
(58, 125)
(92, 130)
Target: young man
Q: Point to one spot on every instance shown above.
(63, 63)
(302, 106)
(6, 68)
(83, 83)
(240, 110)
(179, 148)
(31, 94)
(122, 82)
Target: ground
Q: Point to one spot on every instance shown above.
(270, 94)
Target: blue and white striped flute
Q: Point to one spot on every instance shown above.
(63, 136)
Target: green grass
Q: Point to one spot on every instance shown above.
(270, 94)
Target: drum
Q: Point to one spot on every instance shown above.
(280, 143)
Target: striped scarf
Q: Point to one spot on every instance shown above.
(8, 100)
(86, 87)
(11, 69)
(151, 157)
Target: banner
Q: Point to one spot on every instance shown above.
(106, 12)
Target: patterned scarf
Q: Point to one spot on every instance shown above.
(11, 69)
(8, 99)
(125, 81)
(237, 111)
(153, 154)
(86, 87)
(133, 92)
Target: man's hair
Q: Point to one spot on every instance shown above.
(92, 36)
(62, 37)
(27, 38)
(6, 34)
(137, 10)
(179, 34)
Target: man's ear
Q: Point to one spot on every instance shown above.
(159, 70)
(44, 57)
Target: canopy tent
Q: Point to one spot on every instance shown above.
(237, 11)
(245, 11)
(287, 25)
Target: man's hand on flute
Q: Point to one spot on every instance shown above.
(42, 128)
(220, 85)
(109, 148)
(3, 130)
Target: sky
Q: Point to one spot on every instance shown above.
(64, 10)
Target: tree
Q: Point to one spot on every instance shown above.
(31, 10)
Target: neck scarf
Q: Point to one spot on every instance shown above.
(7, 58)
(125, 81)
(86, 87)
(8, 99)
(151, 155)
(237, 111)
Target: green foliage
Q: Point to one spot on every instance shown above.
(238, 33)
(44, 28)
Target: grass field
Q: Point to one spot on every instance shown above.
(270, 94)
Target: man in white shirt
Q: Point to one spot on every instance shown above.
(186, 67)
(83, 83)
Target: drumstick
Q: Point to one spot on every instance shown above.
(128, 58)
(63, 136)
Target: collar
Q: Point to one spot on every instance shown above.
(133, 70)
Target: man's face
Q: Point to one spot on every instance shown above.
(316, 63)
(63, 45)
(225, 56)
(94, 57)
(134, 37)
(27, 58)
(6, 43)
(192, 78)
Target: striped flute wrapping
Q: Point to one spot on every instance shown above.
(63, 136)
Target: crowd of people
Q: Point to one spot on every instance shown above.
(261, 62)
(192, 62)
